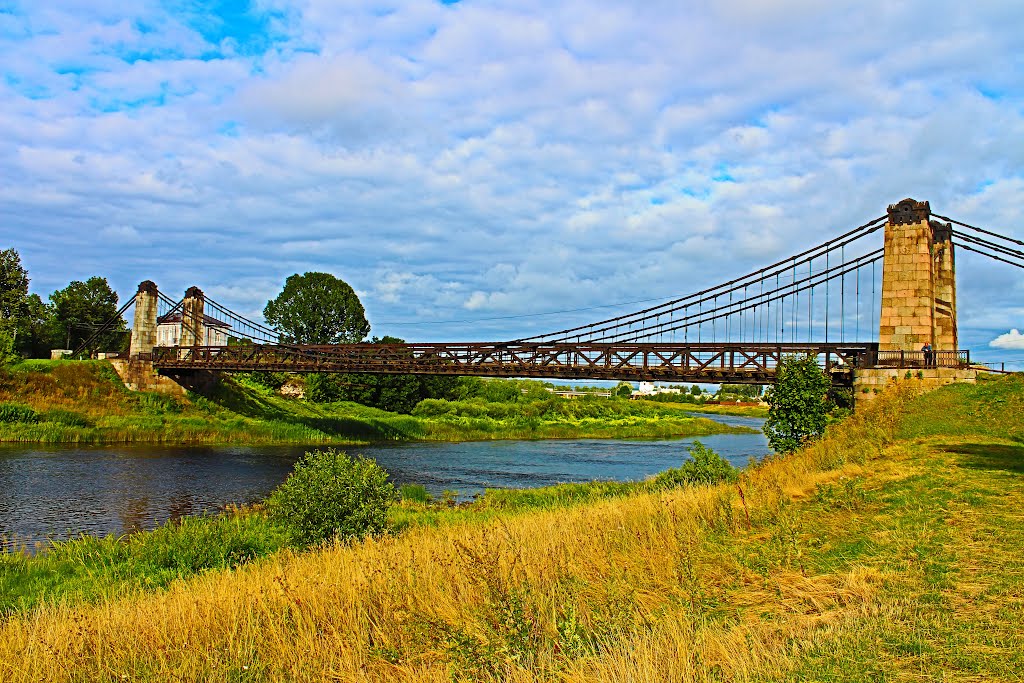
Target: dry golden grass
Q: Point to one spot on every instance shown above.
(690, 585)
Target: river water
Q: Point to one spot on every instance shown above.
(58, 492)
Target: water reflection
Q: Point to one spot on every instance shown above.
(62, 492)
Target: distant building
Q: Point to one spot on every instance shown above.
(651, 389)
(168, 330)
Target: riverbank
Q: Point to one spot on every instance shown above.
(888, 549)
(84, 402)
(723, 409)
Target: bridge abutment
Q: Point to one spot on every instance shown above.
(868, 383)
(137, 371)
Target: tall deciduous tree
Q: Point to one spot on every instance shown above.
(32, 340)
(82, 308)
(13, 295)
(798, 405)
(317, 308)
(13, 286)
(395, 393)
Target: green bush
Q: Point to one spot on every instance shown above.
(331, 495)
(706, 467)
(323, 388)
(268, 380)
(799, 404)
(17, 412)
(434, 407)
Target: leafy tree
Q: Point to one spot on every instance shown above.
(798, 405)
(32, 331)
(79, 310)
(13, 292)
(695, 390)
(746, 391)
(395, 393)
(13, 286)
(623, 390)
(317, 308)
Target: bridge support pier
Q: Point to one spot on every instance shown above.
(137, 371)
(144, 325)
(918, 281)
(192, 312)
(918, 302)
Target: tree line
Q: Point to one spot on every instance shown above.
(31, 327)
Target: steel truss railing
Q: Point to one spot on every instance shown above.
(731, 362)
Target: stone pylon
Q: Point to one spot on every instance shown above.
(918, 281)
(192, 311)
(144, 324)
(944, 270)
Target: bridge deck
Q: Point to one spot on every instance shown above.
(708, 362)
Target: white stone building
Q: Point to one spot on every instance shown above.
(168, 330)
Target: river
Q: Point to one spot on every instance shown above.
(58, 492)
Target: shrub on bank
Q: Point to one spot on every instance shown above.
(17, 412)
(332, 495)
(706, 467)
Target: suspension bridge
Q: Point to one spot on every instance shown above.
(864, 303)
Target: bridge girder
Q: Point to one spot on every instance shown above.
(733, 363)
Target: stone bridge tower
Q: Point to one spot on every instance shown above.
(192, 318)
(918, 281)
(136, 371)
(144, 325)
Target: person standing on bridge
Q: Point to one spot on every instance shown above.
(929, 357)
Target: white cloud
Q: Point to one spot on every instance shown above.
(603, 151)
(1011, 340)
(123, 234)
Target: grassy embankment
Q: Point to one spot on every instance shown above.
(721, 409)
(85, 402)
(889, 550)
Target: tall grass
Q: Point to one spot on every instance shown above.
(703, 583)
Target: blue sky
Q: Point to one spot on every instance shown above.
(478, 161)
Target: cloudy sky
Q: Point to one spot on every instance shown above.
(468, 165)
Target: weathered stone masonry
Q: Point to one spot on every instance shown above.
(918, 281)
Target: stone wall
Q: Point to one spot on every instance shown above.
(192, 311)
(868, 384)
(138, 375)
(944, 274)
(918, 282)
(144, 324)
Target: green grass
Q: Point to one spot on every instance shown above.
(944, 528)
(992, 407)
(722, 409)
(90, 568)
